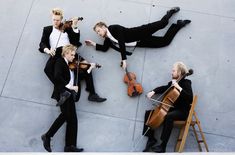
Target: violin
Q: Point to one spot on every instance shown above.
(134, 89)
(81, 65)
(157, 116)
(67, 24)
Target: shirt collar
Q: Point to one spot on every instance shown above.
(67, 62)
(109, 35)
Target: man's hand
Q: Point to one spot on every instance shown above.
(90, 43)
(74, 22)
(175, 84)
(50, 52)
(91, 67)
(123, 64)
(75, 88)
(150, 94)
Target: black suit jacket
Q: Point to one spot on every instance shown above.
(74, 38)
(123, 35)
(186, 96)
(62, 78)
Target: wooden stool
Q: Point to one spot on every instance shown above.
(185, 128)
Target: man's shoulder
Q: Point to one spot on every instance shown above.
(61, 61)
(48, 28)
(115, 26)
(186, 81)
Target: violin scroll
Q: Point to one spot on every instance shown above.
(68, 24)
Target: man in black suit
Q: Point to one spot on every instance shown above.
(137, 36)
(180, 110)
(54, 37)
(64, 81)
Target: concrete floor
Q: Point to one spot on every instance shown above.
(206, 45)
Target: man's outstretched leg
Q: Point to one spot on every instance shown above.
(145, 31)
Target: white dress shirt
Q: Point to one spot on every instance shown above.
(71, 82)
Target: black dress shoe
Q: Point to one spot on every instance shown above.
(96, 98)
(46, 142)
(158, 149)
(72, 149)
(150, 143)
(182, 23)
(174, 10)
(63, 97)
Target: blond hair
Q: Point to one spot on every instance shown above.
(99, 24)
(58, 12)
(67, 49)
(181, 68)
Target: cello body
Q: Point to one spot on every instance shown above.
(157, 116)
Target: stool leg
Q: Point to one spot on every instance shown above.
(179, 140)
(200, 129)
(197, 139)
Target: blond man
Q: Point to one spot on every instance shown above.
(178, 112)
(64, 81)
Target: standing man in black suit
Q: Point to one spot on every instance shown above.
(180, 110)
(54, 37)
(137, 36)
(64, 81)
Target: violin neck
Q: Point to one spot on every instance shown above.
(128, 75)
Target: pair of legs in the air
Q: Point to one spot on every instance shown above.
(146, 31)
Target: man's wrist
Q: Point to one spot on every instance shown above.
(46, 50)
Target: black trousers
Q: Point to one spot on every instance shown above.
(68, 115)
(157, 41)
(50, 65)
(83, 75)
(168, 124)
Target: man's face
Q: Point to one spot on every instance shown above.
(70, 56)
(56, 20)
(101, 31)
(174, 73)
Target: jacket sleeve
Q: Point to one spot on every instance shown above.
(186, 93)
(105, 45)
(74, 38)
(162, 89)
(44, 43)
(119, 50)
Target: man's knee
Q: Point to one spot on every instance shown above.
(169, 118)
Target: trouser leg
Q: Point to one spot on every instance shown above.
(71, 119)
(49, 69)
(89, 81)
(56, 125)
(145, 31)
(157, 42)
(169, 122)
(50, 65)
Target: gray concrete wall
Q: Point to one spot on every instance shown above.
(206, 45)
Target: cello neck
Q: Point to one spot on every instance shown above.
(190, 72)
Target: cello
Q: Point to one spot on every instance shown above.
(157, 116)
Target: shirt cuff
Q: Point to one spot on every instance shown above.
(68, 86)
(75, 30)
